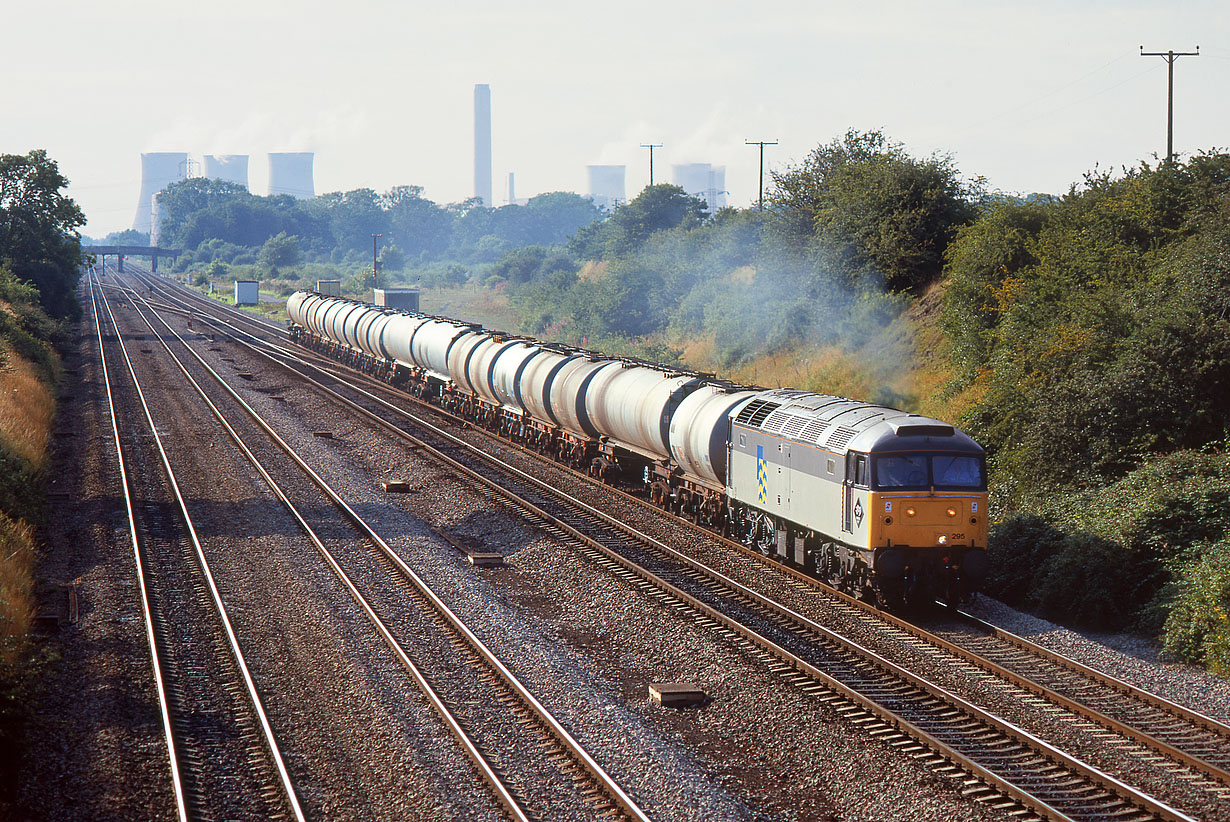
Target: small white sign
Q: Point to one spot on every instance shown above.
(888, 506)
(973, 507)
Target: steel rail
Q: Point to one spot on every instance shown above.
(503, 793)
(139, 563)
(1082, 708)
(607, 783)
(1129, 794)
(1025, 682)
(269, 737)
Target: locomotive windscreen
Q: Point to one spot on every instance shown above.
(919, 471)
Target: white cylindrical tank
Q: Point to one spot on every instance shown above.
(568, 394)
(633, 405)
(294, 306)
(507, 370)
(485, 362)
(370, 327)
(459, 357)
(700, 431)
(431, 342)
(398, 336)
(347, 323)
(534, 384)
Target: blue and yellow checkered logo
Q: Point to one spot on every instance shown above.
(762, 474)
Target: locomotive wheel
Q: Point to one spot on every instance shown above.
(765, 535)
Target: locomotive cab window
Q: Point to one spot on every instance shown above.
(857, 470)
(962, 472)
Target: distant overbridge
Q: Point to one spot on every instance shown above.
(122, 251)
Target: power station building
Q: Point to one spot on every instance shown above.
(291, 173)
(708, 182)
(230, 167)
(158, 170)
(606, 186)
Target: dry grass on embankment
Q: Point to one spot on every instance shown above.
(27, 406)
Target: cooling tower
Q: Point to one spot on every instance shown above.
(606, 186)
(155, 220)
(482, 143)
(230, 167)
(702, 180)
(291, 173)
(158, 170)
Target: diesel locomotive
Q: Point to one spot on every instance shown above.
(879, 503)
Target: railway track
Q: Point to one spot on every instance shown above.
(493, 715)
(1185, 736)
(224, 760)
(958, 731)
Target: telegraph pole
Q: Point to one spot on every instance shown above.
(375, 264)
(762, 144)
(1169, 57)
(651, 147)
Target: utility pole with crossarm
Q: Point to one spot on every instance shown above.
(762, 144)
(1170, 57)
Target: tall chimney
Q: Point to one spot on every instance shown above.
(230, 167)
(482, 143)
(158, 170)
(291, 173)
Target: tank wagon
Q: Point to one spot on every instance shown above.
(878, 502)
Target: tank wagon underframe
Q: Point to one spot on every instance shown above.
(786, 472)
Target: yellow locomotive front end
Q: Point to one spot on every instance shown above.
(927, 527)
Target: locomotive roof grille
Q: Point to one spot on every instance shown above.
(813, 430)
(793, 426)
(756, 411)
(840, 437)
(776, 420)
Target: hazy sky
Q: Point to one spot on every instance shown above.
(1029, 95)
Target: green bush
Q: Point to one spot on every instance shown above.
(1197, 628)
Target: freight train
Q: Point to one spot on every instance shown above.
(880, 503)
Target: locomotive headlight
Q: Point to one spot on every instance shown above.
(909, 512)
(942, 539)
(952, 512)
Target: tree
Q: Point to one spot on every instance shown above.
(391, 258)
(657, 208)
(180, 201)
(39, 242)
(865, 202)
(280, 251)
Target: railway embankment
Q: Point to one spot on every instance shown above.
(30, 371)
